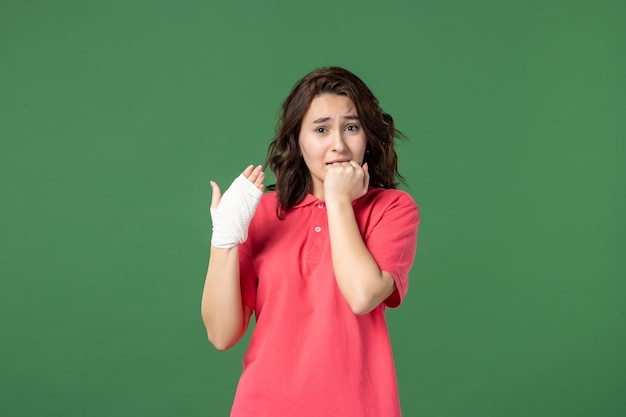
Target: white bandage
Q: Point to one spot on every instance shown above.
(232, 216)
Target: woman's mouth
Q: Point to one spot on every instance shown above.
(337, 161)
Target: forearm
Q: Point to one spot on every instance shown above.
(360, 280)
(223, 313)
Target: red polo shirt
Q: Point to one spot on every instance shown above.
(309, 354)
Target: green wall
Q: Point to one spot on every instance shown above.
(114, 115)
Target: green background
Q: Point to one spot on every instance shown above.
(114, 115)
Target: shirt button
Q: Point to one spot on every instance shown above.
(320, 206)
(318, 229)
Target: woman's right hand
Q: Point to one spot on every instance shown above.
(255, 175)
(232, 212)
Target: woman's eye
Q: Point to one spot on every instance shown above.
(321, 130)
(352, 128)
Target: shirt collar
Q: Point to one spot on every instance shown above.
(311, 199)
(308, 200)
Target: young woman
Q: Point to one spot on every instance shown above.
(318, 260)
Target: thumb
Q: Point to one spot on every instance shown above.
(216, 195)
(366, 177)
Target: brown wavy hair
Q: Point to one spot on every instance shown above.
(293, 179)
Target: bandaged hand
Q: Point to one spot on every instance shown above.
(232, 212)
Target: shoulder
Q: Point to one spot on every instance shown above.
(268, 198)
(264, 217)
(386, 209)
(386, 199)
(267, 205)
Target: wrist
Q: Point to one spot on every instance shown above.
(220, 251)
(234, 212)
(339, 202)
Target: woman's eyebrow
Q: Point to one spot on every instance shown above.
(327, 118)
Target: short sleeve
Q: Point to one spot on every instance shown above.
(393, 242)
(247, 275)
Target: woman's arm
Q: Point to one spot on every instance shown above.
(362, 283)
(224, 314)
(360, 280)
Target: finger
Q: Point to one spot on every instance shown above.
(348, 165)
(259, 181)
(255, 173)
(357, 168)
(333, 167)
(216, 195)
(246, 172)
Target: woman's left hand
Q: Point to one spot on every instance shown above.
(345, 180)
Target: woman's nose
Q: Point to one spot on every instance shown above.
(338, 144)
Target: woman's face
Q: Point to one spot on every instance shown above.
(330, 132)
